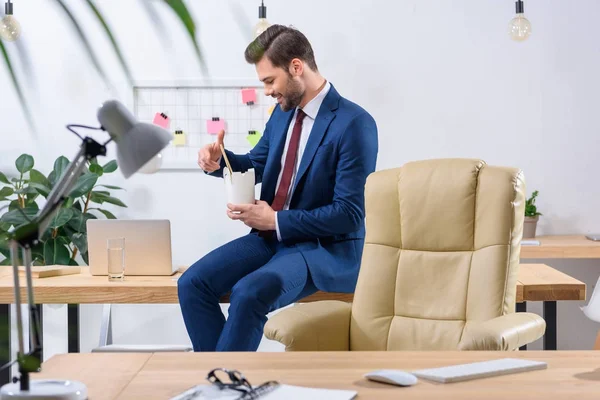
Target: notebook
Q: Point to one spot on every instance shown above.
(483, 369)
(281, 392)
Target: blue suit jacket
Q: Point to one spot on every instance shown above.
(326, 216)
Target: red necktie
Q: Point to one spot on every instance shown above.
(290, 162)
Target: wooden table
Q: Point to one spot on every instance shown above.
(537, 282)
(565, 246)
(570, 374)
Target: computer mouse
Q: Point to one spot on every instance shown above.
(392, 376)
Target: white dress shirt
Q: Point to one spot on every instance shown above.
(311, 109)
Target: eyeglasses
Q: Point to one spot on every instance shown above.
(235, 380)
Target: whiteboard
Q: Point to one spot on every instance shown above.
(190, 104)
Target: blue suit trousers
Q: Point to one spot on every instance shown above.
(262, 275)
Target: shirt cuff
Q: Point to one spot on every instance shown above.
(277, 227)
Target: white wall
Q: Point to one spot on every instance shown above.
(441, 78)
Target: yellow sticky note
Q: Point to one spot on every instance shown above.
(253, 137)
(271, 109)
(179, 139)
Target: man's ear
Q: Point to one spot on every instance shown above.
(296, 67)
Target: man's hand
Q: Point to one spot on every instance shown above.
(258, 216)
(210, 154)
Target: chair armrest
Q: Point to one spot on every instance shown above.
(318, 326)
(507, 332)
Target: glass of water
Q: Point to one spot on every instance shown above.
(116, 258)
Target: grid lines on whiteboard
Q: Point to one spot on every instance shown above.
(189, 109)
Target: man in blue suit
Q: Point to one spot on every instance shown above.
(308, 226)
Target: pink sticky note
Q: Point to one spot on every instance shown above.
(162, 120)
(213, 127)
(249, 96)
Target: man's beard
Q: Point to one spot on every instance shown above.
(294, 95)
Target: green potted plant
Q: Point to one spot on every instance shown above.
(531, 216)
(66, 237)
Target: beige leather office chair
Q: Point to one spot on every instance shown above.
(439, 267)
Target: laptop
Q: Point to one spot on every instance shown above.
(147, 245)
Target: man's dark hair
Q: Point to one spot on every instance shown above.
(281, 45)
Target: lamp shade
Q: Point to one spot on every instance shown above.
(137, 142)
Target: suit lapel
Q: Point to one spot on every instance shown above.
(324, 117)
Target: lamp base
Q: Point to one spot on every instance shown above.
(46, 389)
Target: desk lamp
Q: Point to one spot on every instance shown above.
(137, 143)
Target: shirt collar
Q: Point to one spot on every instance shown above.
(311, 109)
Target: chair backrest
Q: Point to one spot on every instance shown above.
(442, 250)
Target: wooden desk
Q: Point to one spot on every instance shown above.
(537, 282)
(567, 246)
(570, 374)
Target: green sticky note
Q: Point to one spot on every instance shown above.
(253, 138)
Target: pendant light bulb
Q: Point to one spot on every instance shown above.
(262, 23)
(10, 29)
(519, 27)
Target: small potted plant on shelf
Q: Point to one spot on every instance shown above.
(531, 216)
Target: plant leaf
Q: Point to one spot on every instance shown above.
(24, 163)
(96, 169)
(178, 6)
(4, 179)
(110, 167)
(80, 241)
(84, 256)
(32, 205)
(84, 184)
(56, 252)
(63, 216)
(110, 187)
(40, 188)
(17, 218)
(79, 220)
(83, 39)
(60, 165)
(112, 40)
(37, 177)
(6, 191)
(17, 86)
(14, 205)
(106, 213)
(103, 198)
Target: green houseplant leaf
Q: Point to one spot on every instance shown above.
(110, 167)
(63, 216)
(80, 240)
(19, 216)
(96, 169)
(56, 252)
(6, 191)
(178, 6)
(106, 213)
(37, 177)
(4, 179)
(24, 163)
(530, 207)
(84, 184)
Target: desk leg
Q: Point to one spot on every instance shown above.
(73, 327)
(550, 317)
(522, 307)
(5, 353)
